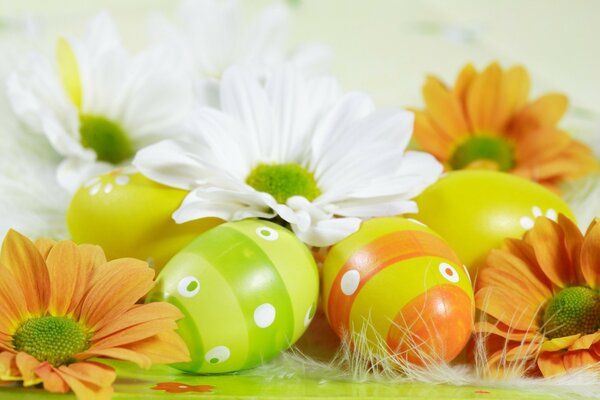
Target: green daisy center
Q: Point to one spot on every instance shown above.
(573, 310)
(283, 181)
(106, 138)
(52, 339)
(484, 148)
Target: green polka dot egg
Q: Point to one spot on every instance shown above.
(248, 290)
(129, 215)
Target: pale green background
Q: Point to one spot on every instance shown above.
(387, 46)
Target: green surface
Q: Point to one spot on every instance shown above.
(274, 383)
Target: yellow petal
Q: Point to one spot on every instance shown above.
(164, 348)
(463, 81)
(69, 71)
(27, 365)
(579, 359)
(514, 91)
(585, 342)
(560, 343)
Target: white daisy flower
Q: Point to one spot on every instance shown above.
(214, 35)
(98, 105)
(297, 149)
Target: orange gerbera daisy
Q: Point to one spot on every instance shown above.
(486, 121)
(61, 304)
(543, 293)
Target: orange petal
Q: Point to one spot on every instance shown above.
(44, 246)
(590, 257)
(22, 258)
(164, 348)
(13, 305)
(463, 81)
(53, 382)
(482, 100)
(135, 333)
(118, 353)
(504, 265)
(544, 112)
(585, 342)
(579, 359)
(548, 241)
(117, 285)
(551, 363)
(8, 367)
(509, 334)
(138, 314)
(66, 282)
(431, 138)
(573, 243)
(504, 305)
(27, 366)
(560, 343)
(512, 95)
(92, 256)
(89, 380)
(445, 109)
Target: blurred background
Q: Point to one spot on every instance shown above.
(386, 47)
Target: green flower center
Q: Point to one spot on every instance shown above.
(484, 148)
(106, 138)
(283, 181)
(573, 310)
(52, 339)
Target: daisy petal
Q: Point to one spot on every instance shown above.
(561, 343)
(44, 246)
(444, 108)
(590, 257)
(327, 232)
(482, 99)
(585, 342)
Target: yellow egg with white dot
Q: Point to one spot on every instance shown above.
(474, 211)
(130, 216)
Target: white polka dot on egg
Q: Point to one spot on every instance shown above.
(267, 233)
(122, 180)
(108, 188)
(95, 189)
(551, 214)
(188, 286)
(350, 282)
(217, 355)
(449, 272)
(264, 315)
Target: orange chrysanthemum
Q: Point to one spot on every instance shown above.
(486, 121)
(543, 294)
(61, 304)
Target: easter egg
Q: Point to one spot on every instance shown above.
(476, 210)
(129, 215)
(248, 290)
(396, 287)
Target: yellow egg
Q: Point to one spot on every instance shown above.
(130, 216)
(476, 210)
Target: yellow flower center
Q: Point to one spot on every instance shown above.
(573, 310)
(283, 181)
(484, 150)
(106, 138)
(52, 339)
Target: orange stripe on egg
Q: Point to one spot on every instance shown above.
(434, 326)
(373, 257)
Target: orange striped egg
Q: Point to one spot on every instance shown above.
(398, 282)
